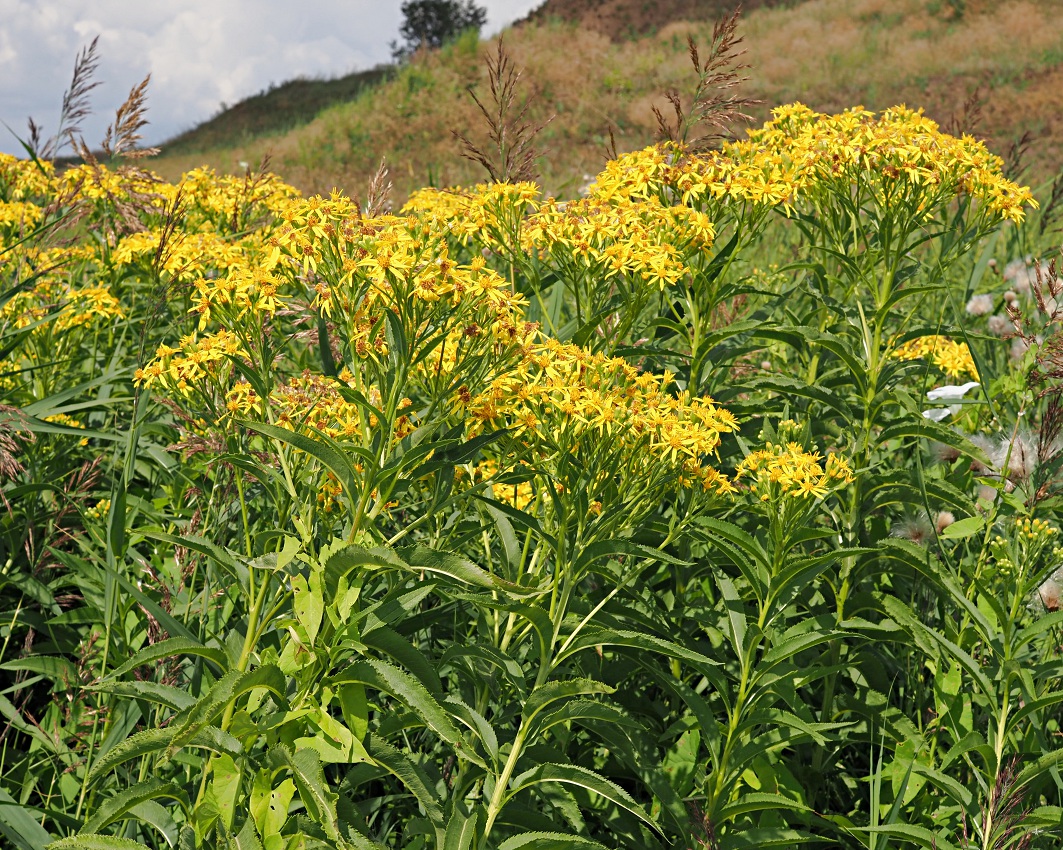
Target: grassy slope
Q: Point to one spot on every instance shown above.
(828, 53)
(277, 110)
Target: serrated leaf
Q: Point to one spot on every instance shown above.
(461, 831)
(226, 690)
(549, 841)
(410, 692)
(611, 548)
(586, 709)
(246, 839)
(309, 778)
(916, 426)
(595, 637)
(151, 813)
(115, 807)
(60, 670)
(390, 642)
(570, 774)
(552, 692)
(153, 740)
(762, 838)
(320, 446)
(399, 765)
(166, 695)
(94, 842)
(141, 744)
(911, 832)
(168, 649)
(418, 558)
(757, 801)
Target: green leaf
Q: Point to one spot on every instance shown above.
(21, 827)
(916, 834)
(461, 830)
(586, 709)
(611, 548)
(789, 646)
(475, 722)
(399, 765)
(95, 842)
(570, 774)
(418, 558)
(390, 642)
(225, 557)
(964, 528)
(742, 550)
(308, 603)
(153, 740)
(343, 562)
(410, 692)
(595, 637)
(736, 614)
(917, 426)
(552, 692)
(756, 801)
(320, 802)
(246, 839)
(141, 744)
(166, 695)
(226, 690)
(169, 648)
(320, 446)
(904, 616)
(269, 805)
(113, 808)
(489, 655)
(60, 670)
(789, 387)
(549, 841)
(1031, 772)
(225, 783)
(765, 837)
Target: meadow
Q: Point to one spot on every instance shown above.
(716, 506)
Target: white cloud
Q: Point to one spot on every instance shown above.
(200, 53)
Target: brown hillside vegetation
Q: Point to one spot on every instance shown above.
(624, 19)
(830, 54)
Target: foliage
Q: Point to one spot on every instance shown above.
(505, 522)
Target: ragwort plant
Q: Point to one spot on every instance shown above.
(341, 528)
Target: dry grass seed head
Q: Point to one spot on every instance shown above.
(510, 133)
(75, 106)
(378, 194)
(122, 136)
(714, 103)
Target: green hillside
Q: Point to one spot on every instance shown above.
(276, 110)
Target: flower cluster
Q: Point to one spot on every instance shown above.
(952, 358)
(640, 239)
(788, 470)
(1020, 552)
(900, 156)
(561, 397)
(197, 357)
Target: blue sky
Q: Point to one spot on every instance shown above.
(201, 53)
